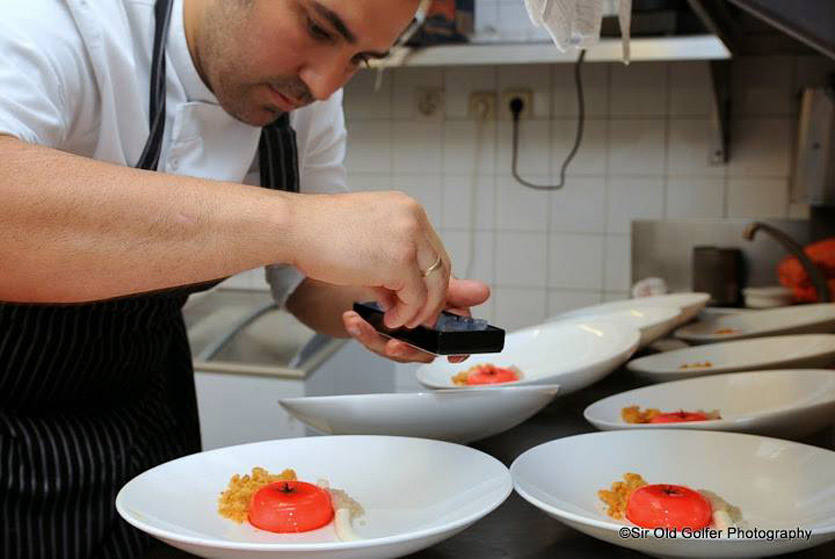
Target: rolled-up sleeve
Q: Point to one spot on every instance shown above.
(321, 135)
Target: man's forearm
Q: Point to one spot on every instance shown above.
(73, 229)
(320, 305)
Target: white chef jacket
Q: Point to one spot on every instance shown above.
(75, 75)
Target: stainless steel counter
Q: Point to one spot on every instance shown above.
(517, 530)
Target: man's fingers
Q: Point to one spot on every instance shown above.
(392, 349)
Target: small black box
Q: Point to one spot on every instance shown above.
(440, 342)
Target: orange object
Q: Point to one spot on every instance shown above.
(679, 417)
(490, 374)
(290, 506)
(668, 506)
(791, 273)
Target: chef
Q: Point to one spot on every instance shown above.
(148, 149)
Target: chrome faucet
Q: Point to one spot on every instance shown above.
(815, 274)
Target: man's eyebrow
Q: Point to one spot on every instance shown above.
(334, 19)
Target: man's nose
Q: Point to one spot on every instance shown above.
(324, 78)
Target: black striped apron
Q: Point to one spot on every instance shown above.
(93, 394)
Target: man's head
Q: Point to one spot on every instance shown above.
(264, 57)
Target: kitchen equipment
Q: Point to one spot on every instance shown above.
(248, 354)
(720, 272)
(415, 493)
(777, 484)
(570, 354)
(772, 352)
(460, 416)
(786, 403)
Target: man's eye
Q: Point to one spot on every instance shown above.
(361, 59)
(317, 32)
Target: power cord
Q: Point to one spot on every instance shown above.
(516, 107)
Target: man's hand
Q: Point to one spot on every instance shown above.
(461, 295)
(381, 240)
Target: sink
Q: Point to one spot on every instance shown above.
(236, 330)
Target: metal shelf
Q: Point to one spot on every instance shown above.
(696, 47)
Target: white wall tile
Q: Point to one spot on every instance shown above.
(590, 158)
(521, 259)
(519, 208)
(761, 147)
(799, 210)
(580, 206)
(633, 198)
(636, 147)
(534, 148)
(458, 199)
(369, 147)
(370, 181)
(460, 82)
(595, 80)
(458, 246)
(690, 90)
(561, 300)
(405, 83)
(759, 198)
(618, 263)
(695, 197)
(639, 89)
(576, 261)
(517, 308)
(417, 147)
(535, 77)
(762, 86)
(459, 148)
(363, 101)
(427, 190)
(689, 148)
(615, 296)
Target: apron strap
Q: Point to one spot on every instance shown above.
(149, 159)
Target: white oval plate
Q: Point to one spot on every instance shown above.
(690, 304)
(459, 416)
(800, 319)
(652, 322)
(812, 351)
(777, 484)
(570, 354)
(787, 404)
(415, 492)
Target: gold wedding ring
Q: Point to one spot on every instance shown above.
(435, 265)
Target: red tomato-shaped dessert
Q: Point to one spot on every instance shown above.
(290, 506)
(668, 506)
(490, 374)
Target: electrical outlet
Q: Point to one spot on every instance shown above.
(482, 105)
(526, 95)
(429, 103)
